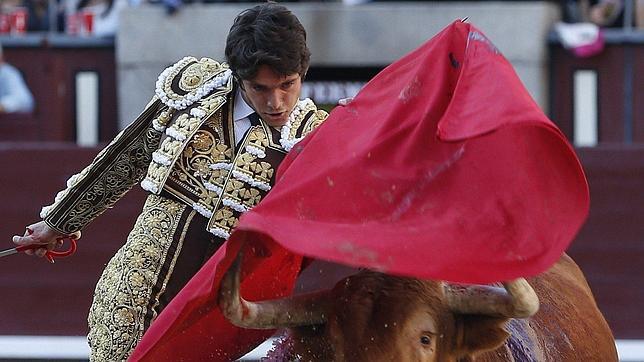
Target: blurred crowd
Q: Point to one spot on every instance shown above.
(584, 24)
(605, 13)
(100, 17)
(75, 17)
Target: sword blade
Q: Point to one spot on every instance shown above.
(8, 252)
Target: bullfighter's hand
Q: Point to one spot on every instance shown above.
(41, 234)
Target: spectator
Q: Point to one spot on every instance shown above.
(607, 13)
(603, 13)
(14, 95)
(38, 19)
(105, 13)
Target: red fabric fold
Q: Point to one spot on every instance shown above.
(191, 327)
(442, 167)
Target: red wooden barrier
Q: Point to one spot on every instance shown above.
(39, 298)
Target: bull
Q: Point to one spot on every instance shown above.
(371, 316)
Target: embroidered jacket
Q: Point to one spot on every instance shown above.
(184, 143)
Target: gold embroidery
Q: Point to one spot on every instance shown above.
(211, 104)
(181, 132)
(242, 187)
(195, 74)
(117, 316)
(305, 107)
(162, 120)
(250, 197)
(224, 218)
(221, 153)
(173, 72)
(184, 126)
(232, 189)
(214, 101)
(170, 147)
(263, 171)
(258, 170)
(216, 123)
(244, 161)
(209, 178)
(193, 168)
(192, 77)
(257, 138)
(156, 172)
(201, 166)
(164, 117)
(312, 123)
(177, 252)
(218, 177)
(112, 173)
(202, 141)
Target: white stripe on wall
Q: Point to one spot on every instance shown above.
(63, 347)
(87, 109)
(630, 350)
(585, 108)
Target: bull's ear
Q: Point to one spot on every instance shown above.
(476, 333)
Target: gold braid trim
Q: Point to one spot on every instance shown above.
(316, 119)
(189, 80)
(113, 172)
(180, 133)
(251, 175)
(124, 294)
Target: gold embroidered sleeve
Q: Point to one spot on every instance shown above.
(111, 174)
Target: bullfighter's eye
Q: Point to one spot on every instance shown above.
(425, 340)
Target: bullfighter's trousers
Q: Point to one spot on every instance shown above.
(166, 247)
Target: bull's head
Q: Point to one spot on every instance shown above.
(377, 317)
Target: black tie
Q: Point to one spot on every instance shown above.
(254, 119)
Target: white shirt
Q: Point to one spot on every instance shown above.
(241, 111)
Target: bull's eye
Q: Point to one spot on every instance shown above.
(425, 340)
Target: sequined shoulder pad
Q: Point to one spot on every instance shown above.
(189, 80)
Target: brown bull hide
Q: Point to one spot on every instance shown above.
(568, 326)
(372, 316)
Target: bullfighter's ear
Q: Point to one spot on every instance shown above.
(476, 334)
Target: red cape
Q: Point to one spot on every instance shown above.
(442, 167)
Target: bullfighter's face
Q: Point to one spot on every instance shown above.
(271, 95)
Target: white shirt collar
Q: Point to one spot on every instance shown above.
(241, 109)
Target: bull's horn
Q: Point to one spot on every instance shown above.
(517, 300)
(306, 309)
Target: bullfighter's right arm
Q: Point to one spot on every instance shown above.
(111, 174)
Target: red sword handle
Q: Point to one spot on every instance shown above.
(51, 254)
